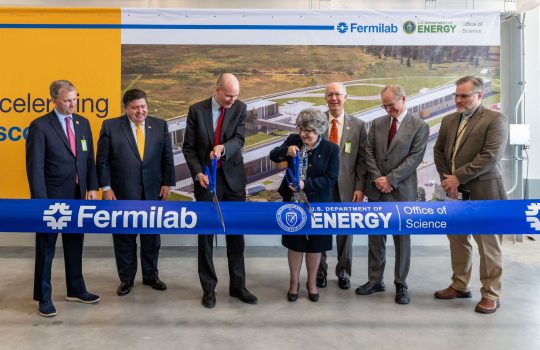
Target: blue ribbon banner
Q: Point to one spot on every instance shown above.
(271, 218)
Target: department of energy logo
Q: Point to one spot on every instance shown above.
(531, 215)
(291, 217)
(409, 27)
(63, 219)
(342, 27)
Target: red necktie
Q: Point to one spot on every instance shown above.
(217, 133)
(334, 135)
(71, 141)
(392, 131)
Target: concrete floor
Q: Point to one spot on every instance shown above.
(175, 319)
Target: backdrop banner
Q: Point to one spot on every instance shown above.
(271, 218)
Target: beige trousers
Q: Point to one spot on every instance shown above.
(490, 249)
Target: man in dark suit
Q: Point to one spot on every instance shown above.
(467, 152)
(350, 134)
(135, 162)
(396, 146)
(60, 165)
(215, 127)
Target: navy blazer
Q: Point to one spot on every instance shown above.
(322, 173)
(119, 164)
(199, 141)
(51, 167)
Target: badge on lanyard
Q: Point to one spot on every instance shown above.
(348, 146)
(83, 144)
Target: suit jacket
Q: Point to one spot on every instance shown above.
(399, 161)
(322, 173)
(352, 165)
(51, 167)
(119, 164)
(477, 158)
(199, 141)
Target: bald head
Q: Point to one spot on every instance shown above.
(335, 95)
(227, 90)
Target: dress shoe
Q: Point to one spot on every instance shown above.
(156, 284)
(47, 309)
(402, 295)
(293, 296)
(487, 306)
(321, 281)
(451, 293)
(86, 298)
(314, 297)
(124, 288)
(344, 283)
(370, 288)
(245, 295)
(209, 299)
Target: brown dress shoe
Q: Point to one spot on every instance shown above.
(487, 306)
(451, 293)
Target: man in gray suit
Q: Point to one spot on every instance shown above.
(470, 144)
(395, 147)
(350, 134)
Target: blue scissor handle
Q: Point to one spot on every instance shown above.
(294, 174)
(211, 173)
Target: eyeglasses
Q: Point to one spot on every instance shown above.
(388, 107)
(305, 131)
(464, 96)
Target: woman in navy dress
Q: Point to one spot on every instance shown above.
(319, 167)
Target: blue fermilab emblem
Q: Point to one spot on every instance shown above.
(291, 217)
(342, 27)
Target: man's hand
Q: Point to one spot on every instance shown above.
(109, 195)
(164, 193)
(217, 151)
(450, 185)
(203, 180)
(91, 195)
(383, 185)
(358, 196)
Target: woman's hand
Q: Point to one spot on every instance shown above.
(291, 151)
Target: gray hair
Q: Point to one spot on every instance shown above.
(312, 119)
(477, 82)
(397, 90)
(56, 85)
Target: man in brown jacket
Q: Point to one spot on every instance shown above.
(470, 144)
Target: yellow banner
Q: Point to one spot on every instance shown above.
(35, 51)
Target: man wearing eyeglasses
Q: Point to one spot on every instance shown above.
(350, 134)
(395, 147)
(467, 152)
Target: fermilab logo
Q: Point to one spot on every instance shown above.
(354, 27)
(60, 222)
(58, 215)
(532, 214)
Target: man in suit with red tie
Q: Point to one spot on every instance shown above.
(395, 147)
(350, 134)
(215, 127)
(467, 153)
(135, 162)
(60, 165)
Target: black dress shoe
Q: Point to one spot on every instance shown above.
(344, 283)
(402, 295)
(321, 281)
(124, 288)
(314, 297)
(156, 284)
(209, 299)
(245, 295)
(293, 296)
(370, 288)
